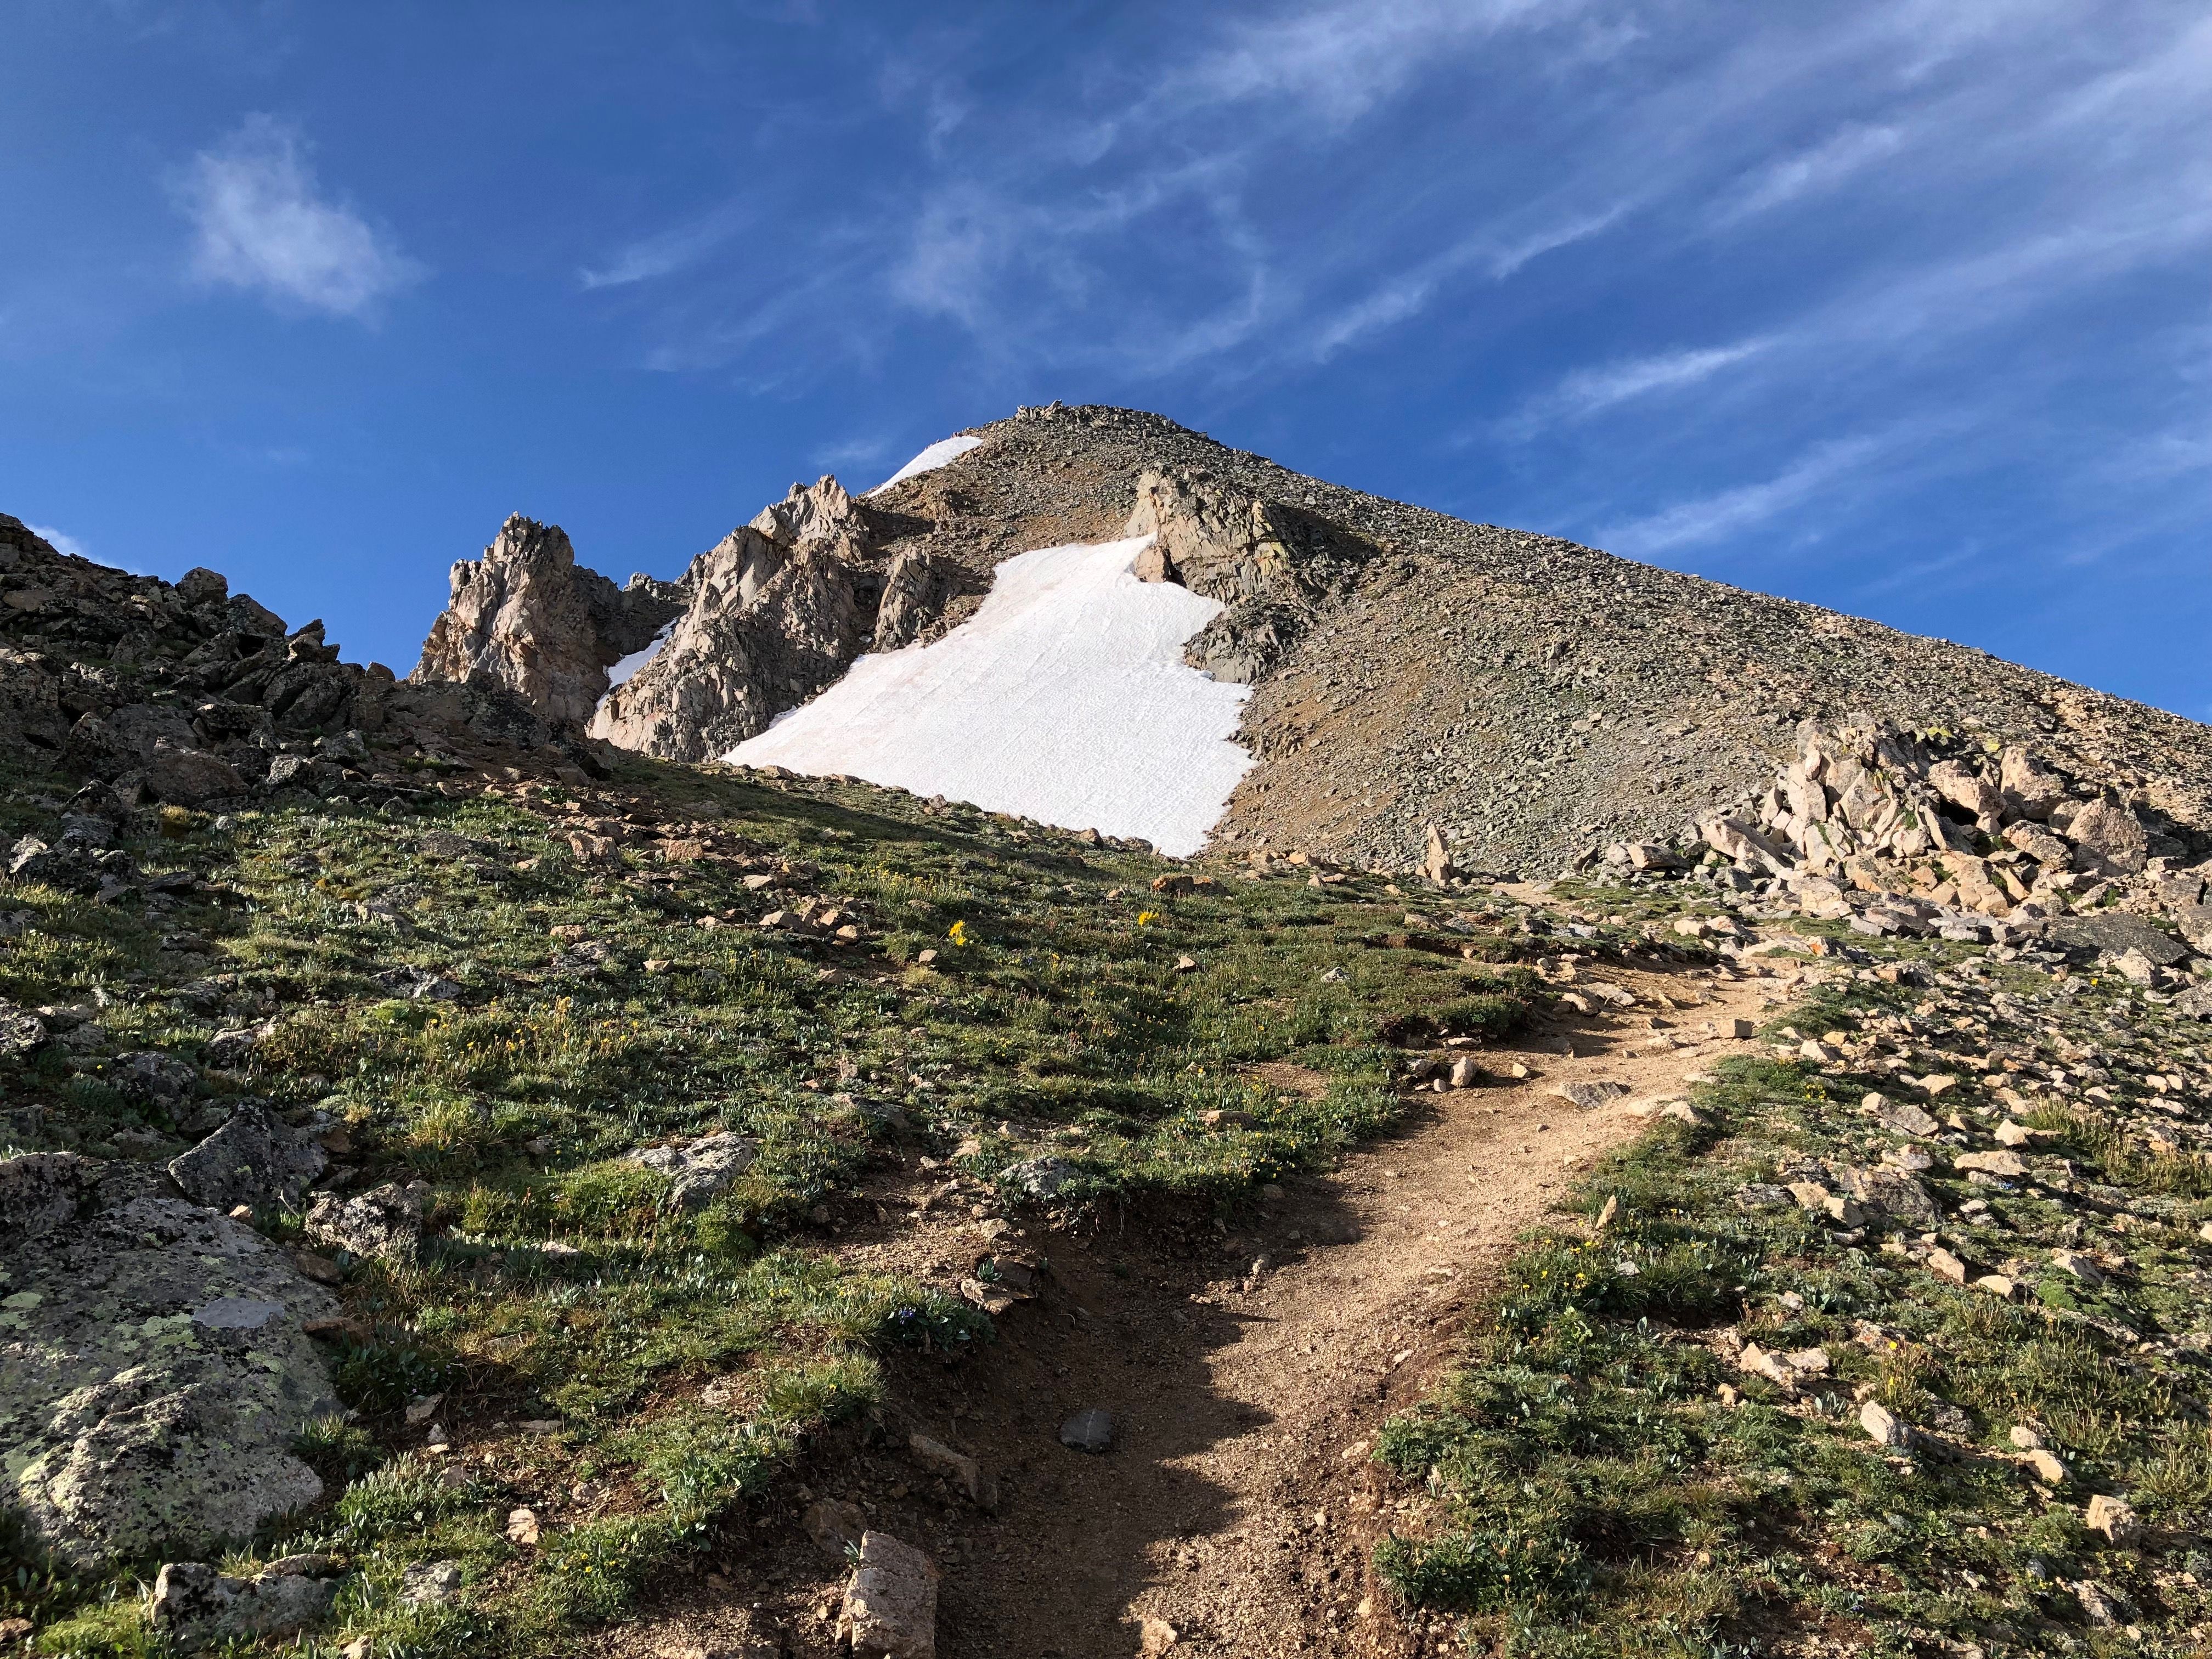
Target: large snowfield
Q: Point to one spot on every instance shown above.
(1065, 699)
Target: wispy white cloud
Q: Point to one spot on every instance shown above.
(669, 251)
(1497, 251)
(1587, 391)
(1826, 164)
(1923, 573)
(262, 223)
(2163, 455)
(1507, 259)
(1731, 512)
(1336, 62)
(60, 540)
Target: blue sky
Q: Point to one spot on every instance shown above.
(1901, 306)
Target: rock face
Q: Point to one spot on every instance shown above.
(778, 610)
(153, 1366)
(528, 618)
(1268, 563)
(917, 588)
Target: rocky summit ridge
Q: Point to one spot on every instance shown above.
(1531, 700)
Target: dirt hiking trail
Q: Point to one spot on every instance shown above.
(1235, 1515)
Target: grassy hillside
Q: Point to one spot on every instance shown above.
(488, 999)
(1612, 1471)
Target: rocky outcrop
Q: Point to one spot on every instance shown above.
(177, 693)
(917, 588)
(777, 610)
(1267, 563)
(528, 618)
(154, 1366)
(1865, 791)
(1902, 832)
(1216, 541)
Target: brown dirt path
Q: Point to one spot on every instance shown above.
(1237, 1505)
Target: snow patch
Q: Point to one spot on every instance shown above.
(625, 667)
(1065, 699)
(944, 450)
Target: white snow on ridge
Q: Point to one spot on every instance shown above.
(623, 667)
(1065, 699)
(944, 450)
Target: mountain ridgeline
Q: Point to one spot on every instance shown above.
(1533, 700)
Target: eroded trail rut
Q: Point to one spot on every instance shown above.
(1237, 1506)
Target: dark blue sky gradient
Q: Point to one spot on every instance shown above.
(1900, 307)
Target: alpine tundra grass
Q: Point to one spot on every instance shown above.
(1018, 995)
(1613, 1470)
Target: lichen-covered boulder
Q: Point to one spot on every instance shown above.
(155, 1368)
(254, 1159)
(194, 1605)
(2108, 839)
(702, 1170)
(161, 1082)
(384, 1221)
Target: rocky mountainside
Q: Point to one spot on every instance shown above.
(466, 1189)
(187, 695)
(528, 618)
(1532, 699)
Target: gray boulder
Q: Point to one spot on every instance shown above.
(2113, 934)
(195, 1607)
(154, 1366)
(253, 1159)
(317, 777)
(161, 1082)
(2108, 839)
(386, 1221)
(1037, 1178)
(703, 1169)
(1963, 787)
(2041, 845)
(21, 1030)
(430, 1583)
(189, 776)
(2030, 790)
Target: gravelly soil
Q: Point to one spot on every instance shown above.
(1237, 1505)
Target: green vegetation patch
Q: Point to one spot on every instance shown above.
(451, 995)
(1606, 1474)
